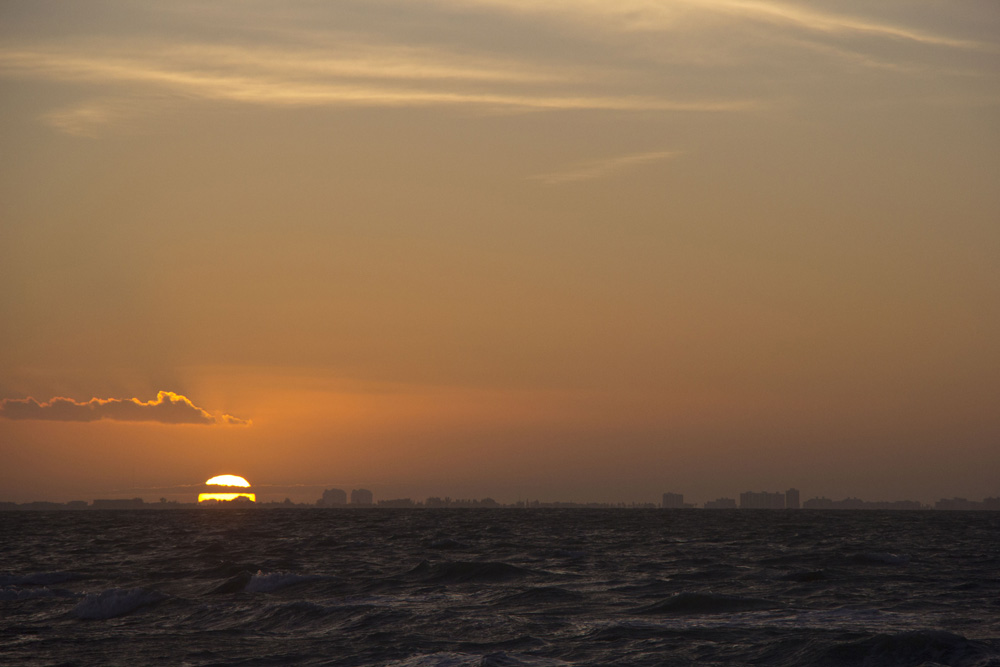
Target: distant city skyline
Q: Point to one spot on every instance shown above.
(436, 502)
(334, 497)
(370, 494)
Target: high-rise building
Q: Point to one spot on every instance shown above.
(333, 498)
(762, 501)
(673, 501)
(361, 497)
(792, 499)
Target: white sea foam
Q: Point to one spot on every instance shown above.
(272, 581)
(115, 602)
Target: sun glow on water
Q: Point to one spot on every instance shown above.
(226, 496)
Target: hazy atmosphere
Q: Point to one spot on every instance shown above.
(583, 251)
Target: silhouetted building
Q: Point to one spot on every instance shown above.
(333, 498)
(41, 505)
(792, 499)
(750, 500)
(721, 504)
(361, 497)
(673, 501)
(966, 505)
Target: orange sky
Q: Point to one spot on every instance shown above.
(577, 251)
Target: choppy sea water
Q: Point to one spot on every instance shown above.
(499, 588)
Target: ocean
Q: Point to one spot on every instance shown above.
(499, 587)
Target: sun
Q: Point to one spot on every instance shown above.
(215, 489)
(228, 480)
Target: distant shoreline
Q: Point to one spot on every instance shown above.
(137, 504)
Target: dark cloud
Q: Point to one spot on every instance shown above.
(166, 408)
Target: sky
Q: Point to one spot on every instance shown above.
(587, 251)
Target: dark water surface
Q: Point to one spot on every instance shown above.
(500, 587)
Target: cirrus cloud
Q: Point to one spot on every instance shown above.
(167, 408)
(594, 169)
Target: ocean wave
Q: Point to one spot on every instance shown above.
(273, 581)
(706, 603)
(460, 572)
(115, 602)
(234, 584)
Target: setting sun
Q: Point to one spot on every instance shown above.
(213, 492)
(228, 480)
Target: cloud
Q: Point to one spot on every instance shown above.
(837, 23)
(378, 77)
(625, 56)
(594, 169)
(642, 15)
(88, 118)
(166, 408)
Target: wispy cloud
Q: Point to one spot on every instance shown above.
(88, 118)
(198, 64)
(811, 19)
(594, 169)
(629, 56)
(291, 78)
(166, 408)
(635, 15)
